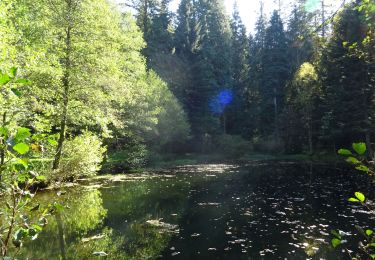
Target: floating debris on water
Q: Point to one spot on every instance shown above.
(209, 204)
(165, 227)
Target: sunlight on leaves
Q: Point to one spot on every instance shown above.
(360, 196)
(359, 148)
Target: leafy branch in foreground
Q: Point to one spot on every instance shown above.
(20, 220)
(358, 158)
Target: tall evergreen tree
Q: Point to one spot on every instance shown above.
(256, 50)
(300, 38)
(275, 75)
(240, 74)
(212, 65)
(203, 41)
(186, 31)
(145, 10)
(348, 80)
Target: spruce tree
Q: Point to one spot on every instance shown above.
(300, 38)
(348, 80)
(256, 67)
(212, 66)
(240, 74)
(186, 31)
(276, 69)
(203, 41)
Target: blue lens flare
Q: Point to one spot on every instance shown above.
(225, 97)
(220, 101)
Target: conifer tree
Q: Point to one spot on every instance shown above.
(348, 81)
(275, 75)
(186, 31)
(212, 65)
(299, 37)
(240, 74)
(256, 55)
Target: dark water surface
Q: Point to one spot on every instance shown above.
(255, 211)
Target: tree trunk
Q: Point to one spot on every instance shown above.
(64, 116)
(368, 144)
(145, 17)
(276, 115)
(323, 20)
(3, 149)
(56, 162)
(224, 124)
(310, 139)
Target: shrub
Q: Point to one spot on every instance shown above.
(268, 145)
(136, 156)
(233, 146)
(82, 156)
(129, 157)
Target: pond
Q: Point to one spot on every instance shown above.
(278, 210)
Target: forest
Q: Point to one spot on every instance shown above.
(94, 88)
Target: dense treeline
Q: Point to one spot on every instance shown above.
(300, 84)
(87, 85)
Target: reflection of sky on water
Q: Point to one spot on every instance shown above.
(220, 101)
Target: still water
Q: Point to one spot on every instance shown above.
(256, 211)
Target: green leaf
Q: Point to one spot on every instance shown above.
(353, 160)
(21, 148)
(22, 177)
(16, 92)
(4, 132)
(336, 234)
(22, 134)
(372, 256)
(37, 227)
(335, 242)
(363, 168)
(41, 178)
(344, 152)
(360, 196)
(23, 162)
(359, 148)
(4, 79)
(13, 72)
(52, 142)
(353, 200)
(20, 234)
(371, 244)
(32, 232)
(369, 232)
(23, 81)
